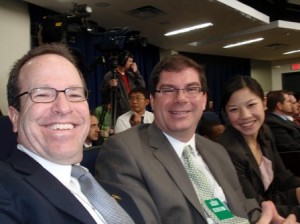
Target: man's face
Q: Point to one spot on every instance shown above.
(295, 105)
(286, 106)
(178, 115)
(138, 102)
(55, 131)
(94, 130)
(128, 63)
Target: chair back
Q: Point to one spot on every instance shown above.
(291, 161)
(8, 139)
(90, 155)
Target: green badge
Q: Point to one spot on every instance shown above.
(219, 209)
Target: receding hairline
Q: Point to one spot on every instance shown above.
(50, 54)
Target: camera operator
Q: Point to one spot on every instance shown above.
(126, 78)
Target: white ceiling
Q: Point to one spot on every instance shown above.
(234, 23)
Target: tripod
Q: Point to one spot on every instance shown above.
(113, 100)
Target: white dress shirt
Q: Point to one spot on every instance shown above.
(178, 147)
(123, 123)
(63, 174)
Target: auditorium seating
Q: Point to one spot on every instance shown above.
(291, 160)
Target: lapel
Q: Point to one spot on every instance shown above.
(240, 146)
(165, 153)
(209, 153)
(42, 181)
(211, 161)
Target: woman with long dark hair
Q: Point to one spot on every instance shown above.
(251, 146)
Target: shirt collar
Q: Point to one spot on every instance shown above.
(61, 172)
(179, 145)
(86, 145)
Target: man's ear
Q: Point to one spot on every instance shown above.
(204, 101)
(279, 105)
(152, 99)
(265, 103)
(147, 101)
(14, 114)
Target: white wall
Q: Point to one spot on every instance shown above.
(268, 74)
(261, 71)
(14, 40)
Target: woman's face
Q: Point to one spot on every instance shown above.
(246, 112)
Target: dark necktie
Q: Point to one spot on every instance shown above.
(142, 120)
(99, 198)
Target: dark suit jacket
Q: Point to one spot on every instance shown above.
(30, 194)
(250, 176)
(142, 162)
(286, 134)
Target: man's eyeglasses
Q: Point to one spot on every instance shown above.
(48, 95)
(190, 92)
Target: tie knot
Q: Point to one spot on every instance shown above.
(187, 150)
(78, 171)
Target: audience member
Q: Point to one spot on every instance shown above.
(252, 149)
(103, 114)
(211, 129)
(297, 117)
(286, 133)
(150, 163)
(295, 108)
(139, 99)
(93, 137)
(48, 107)
(210, 105)
(126, 78)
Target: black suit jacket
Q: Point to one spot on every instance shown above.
(30, 194)
(286, 134)
(282, 189)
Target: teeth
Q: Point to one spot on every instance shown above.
(179, 112)
(62, 127)
(247, 124)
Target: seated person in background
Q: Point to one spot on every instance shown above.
(41, 181)
(103, 114)
(210, 105)
(93, 137)
(159, 164)
(251, 146)
(139, 99)
(295, 108)
(210, 129)
(286, 133)
(297, 117)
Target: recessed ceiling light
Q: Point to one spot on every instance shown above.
(188, 29)
(244, 42)
(292, 52)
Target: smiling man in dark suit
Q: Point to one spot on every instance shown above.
(148, 161)
(48, 107)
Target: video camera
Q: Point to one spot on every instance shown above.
(74, 21)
